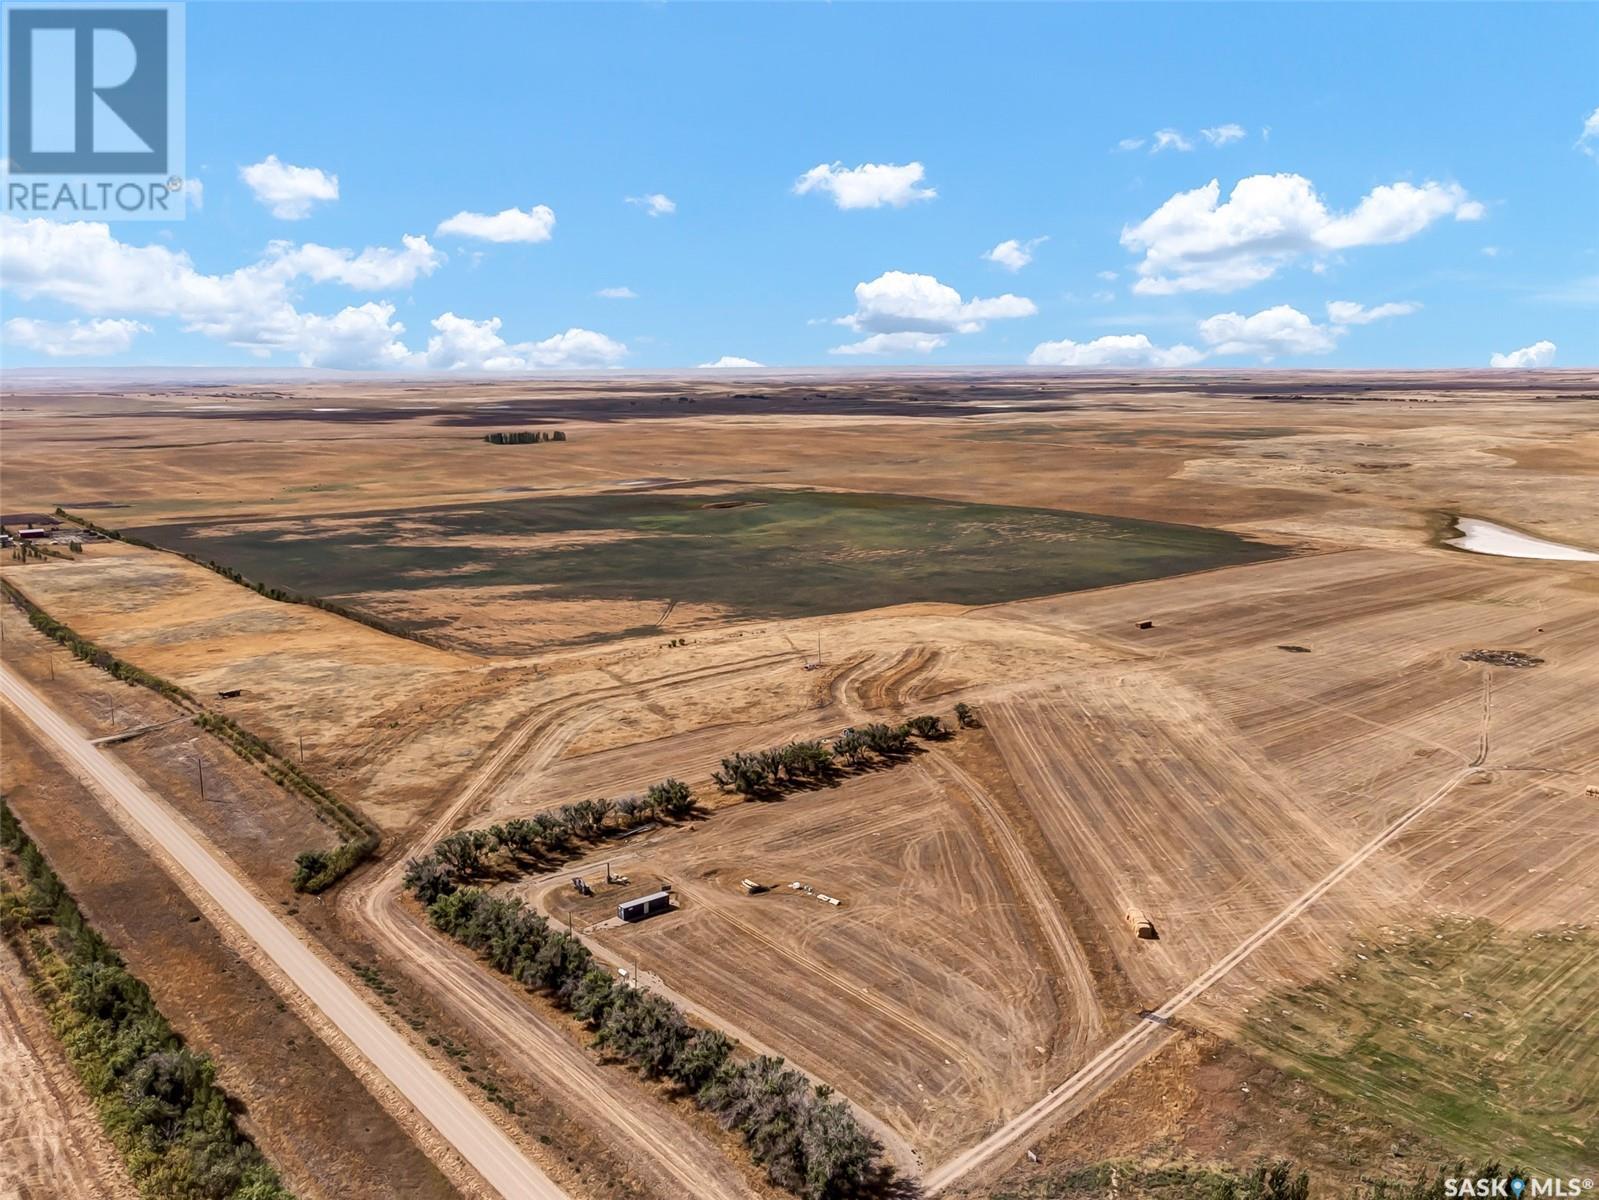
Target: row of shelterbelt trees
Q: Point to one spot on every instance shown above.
(158, 1101)
(468, 854)
(765, 773)
(525, 437)
(315, 870)
(805, 1139)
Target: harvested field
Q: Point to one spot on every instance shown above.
(916, 995)
(1170, 722)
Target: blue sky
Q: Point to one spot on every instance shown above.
(1422, 168)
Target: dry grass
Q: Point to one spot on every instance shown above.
(1194, 770)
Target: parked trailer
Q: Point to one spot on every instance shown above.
(644, 906)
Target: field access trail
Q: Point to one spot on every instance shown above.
(679, 1158)
(479, 1141)
(1127, 1051)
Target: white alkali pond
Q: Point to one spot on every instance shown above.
(1484, 537)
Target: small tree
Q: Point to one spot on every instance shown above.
(427, 878)
(671, 798)
(928, 727)
(463, 851)
(595, 994)
(850, 745)
(965, 715)
(702, 1057)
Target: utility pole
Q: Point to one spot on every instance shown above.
(301, 736)
(199, 766)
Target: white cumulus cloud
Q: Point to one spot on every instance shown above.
(535, 224)
(289, 191)
(1268, 334)
(870, 185)
(374, 269)
(360, 337)
(617, 293)
(902, 302)
(1014, 254)
(82, 265)
(1112, 350)
(730, 362)
(654, 203)
(73, 339)
(1169, 139)
(894, 343)
(462, 344)
(1347, 312)
(1197, 242)
(1539, 354)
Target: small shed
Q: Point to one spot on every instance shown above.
(1146, 624)
(644, 906)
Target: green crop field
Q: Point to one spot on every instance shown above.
(766, 553)
(1480, 1038)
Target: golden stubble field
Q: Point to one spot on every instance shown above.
(1197, 770)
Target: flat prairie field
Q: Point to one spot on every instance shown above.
(1226, 675)
(724, 554)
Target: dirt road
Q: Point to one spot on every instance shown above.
(682, 1160)
(477, 1139)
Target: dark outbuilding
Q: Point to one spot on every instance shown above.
(644, 906)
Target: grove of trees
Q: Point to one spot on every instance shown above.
(467, 854)
(524, 437)
(807, 1141)
(158, 1100)
(763, 774)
